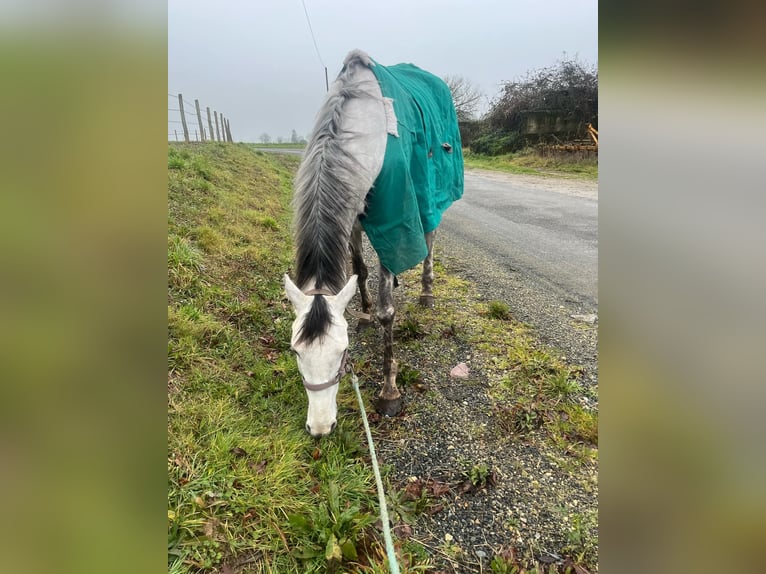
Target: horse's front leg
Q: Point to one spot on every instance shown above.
(360, 270)
(390, 401)
(426, 292)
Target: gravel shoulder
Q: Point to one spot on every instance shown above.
(534, 499)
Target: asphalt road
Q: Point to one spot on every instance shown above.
(532, 243)
(544, 229)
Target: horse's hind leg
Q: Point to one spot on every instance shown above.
(360, 269)
(426, 293)
(390, 401)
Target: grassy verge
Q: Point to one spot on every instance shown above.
(248, 489)
(529, 162)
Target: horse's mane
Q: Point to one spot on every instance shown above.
(325, 203)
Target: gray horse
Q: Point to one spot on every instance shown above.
(385, 158)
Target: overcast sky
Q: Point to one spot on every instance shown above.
(255, 61)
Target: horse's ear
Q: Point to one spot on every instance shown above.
(343, 298)
(299, 299)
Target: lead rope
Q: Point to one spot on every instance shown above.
(393, 565)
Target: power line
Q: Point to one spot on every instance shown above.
(312, 33)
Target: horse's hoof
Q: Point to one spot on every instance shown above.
(427, 301)
(388, 407)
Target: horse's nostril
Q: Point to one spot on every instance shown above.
(308, 428)
(332, 426)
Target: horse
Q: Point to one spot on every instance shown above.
(384, 158)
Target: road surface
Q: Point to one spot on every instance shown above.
(545, 229)
(531, 242)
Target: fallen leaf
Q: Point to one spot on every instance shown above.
(413, 490)
(403, 531)
(437, 488)
(316, 454)
(208, 529)
(238, 452)
(258, 467)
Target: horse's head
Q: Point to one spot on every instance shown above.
(320, 341)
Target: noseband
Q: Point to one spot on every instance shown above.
(341, 371)
(332, 382)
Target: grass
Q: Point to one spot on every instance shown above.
(247, 486)
(531, 163)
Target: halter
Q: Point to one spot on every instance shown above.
(332, 382)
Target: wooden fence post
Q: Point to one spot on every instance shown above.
(176, 132)
(210, 123)
(228, 130)
(183, 117)
(199, 120)
(223, 128)
(217, 131)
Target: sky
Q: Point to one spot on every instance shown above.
(255, 60)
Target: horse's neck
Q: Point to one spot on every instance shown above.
(364, 129)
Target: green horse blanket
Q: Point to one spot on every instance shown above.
(422, 171)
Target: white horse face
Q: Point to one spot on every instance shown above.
(320, 360)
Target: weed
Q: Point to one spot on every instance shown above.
(269, 223)
(581, 541)
(176, 163)
(478, 474)
(560, 384)
(498, 310)
(207, 238)
(410, 328)
(407, 376)
(182, 255)
(330, 530)
(202, 168)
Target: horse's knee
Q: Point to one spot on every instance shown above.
(386, 315)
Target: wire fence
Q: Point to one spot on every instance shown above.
(190, 123)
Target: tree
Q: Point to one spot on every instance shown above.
(465, 96)
(265, 138)
(280, 139)
(294, 137)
